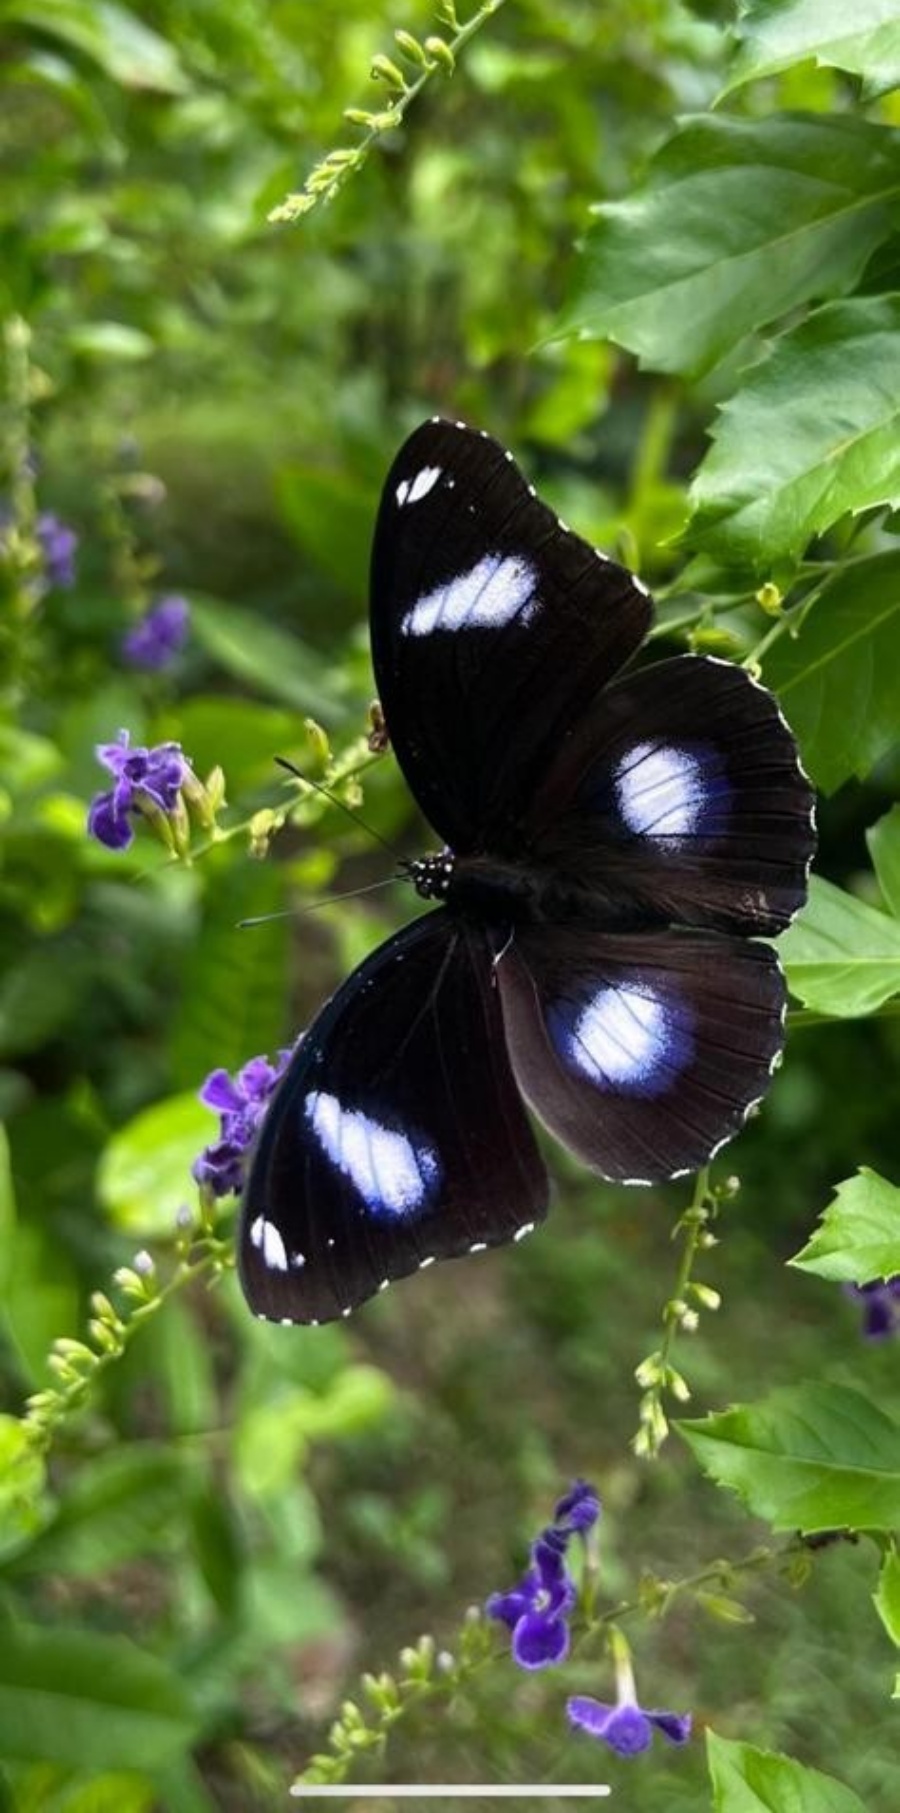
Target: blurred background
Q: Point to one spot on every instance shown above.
(210, 403)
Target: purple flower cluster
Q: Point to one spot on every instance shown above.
(536, 1612)
(146, 780)
(154, 642)
(58, 544)
(880, 1304)
(536, 1609)
(240, 1102)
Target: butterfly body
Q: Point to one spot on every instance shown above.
(615, 847)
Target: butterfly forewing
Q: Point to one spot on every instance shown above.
(679, 798)
(643, 1053)
(493, 628)
(397, 1135)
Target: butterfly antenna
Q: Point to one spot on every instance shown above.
(313, 906)
(351, 813)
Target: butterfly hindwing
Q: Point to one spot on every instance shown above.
(397, 1135)
(679, 798)
(493, 628)
(643, 1053)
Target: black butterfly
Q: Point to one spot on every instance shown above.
(613, 846)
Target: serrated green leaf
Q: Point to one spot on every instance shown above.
(833, 386)
(261, 653)
(883, 840)
(93, 1702)
(118, 42)
(774, 34)
(810, 1457)
(887, 1596)
(858, 1237)
(740, 221)
(839, 680)
(841, 956)
(145, 1172)
(746, 1780)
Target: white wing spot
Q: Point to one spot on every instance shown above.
(659, 791)
(499, 589)
(624, 1037)
(265, 1237)
(412, 490)
(425, 1262)
(478, 1246)
(394, 1174)
(526, 1228)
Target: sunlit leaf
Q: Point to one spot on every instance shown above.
(145, 1173)
(842, 957)
(810, 1457)
(745, 1780)
(114, 38)
(858, 1237)
(832, 385)
(740, 221)
(839, 679)
(774, 34)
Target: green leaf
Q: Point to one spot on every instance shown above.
(119, 1505)
(842, 957)
(858, 1237)
(122, 46)
(225, 1025)
(746, 1780)
(278, 663)
(887, 1596)
(810, 1457)
(839, 679)
(331, 514)
(833, 386)
(92, 1702)
(774, 34)
(112, 340)
(22, 1483)
(740, 221)
(883, 840)
(145, 1172)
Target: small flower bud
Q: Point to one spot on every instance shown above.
(770, 599)
(441, 53)
(318, 741)
(383, 70)
(144, 1264)
(705, 1295)
(410, 48)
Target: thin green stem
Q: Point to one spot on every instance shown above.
(436, 56)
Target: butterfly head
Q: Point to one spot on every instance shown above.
(431, 876)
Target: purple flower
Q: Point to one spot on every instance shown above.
(144, 778)
(241, 1102)
(880, 1303)
(579, 1510)
(626, 1727)
(58, 543)
(536, 1609)
(154, 642)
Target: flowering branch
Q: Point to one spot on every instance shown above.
(656, 1374)
(76, 1365)
(436, 55)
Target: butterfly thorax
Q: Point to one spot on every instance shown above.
(481, 887)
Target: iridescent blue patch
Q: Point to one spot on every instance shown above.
(395, 1172)
(630, 1039)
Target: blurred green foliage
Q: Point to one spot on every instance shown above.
(229, 1521)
